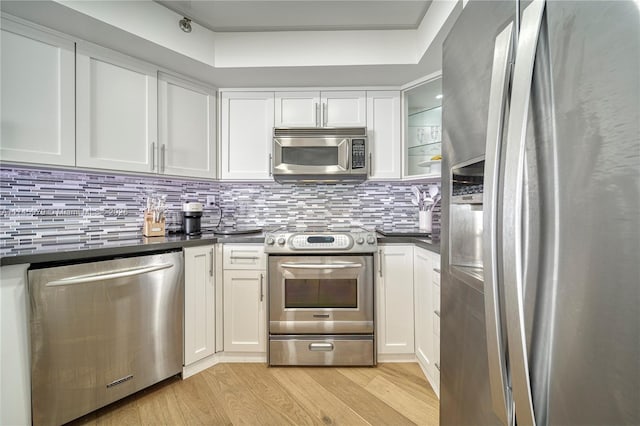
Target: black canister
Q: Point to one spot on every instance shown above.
(192, 216)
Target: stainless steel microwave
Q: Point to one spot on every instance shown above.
(320, 154)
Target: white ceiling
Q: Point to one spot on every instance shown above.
(301, 15)
(149, 31)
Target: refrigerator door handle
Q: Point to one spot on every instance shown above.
(500, 75)
(512, 210)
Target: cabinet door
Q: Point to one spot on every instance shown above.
(383, 130)
(244, 311)
(38, 104)
(116, 111)
(344, 109)
(247, 135)
(422, 281)
(199, 303)
(186, 128)
(395, 300)
(435, 303)
(297, 109)
(244, 256)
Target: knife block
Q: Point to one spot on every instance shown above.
(151, 228)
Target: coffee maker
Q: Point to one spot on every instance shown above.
(192, 216)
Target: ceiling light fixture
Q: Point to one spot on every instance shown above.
(438, 96)
(185, 24)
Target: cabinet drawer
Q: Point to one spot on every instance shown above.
(244, 256)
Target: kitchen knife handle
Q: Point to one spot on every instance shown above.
(512, 250)
(496, 352)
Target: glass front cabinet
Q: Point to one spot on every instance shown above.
(422, 141)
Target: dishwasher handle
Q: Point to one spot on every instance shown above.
(121, 273)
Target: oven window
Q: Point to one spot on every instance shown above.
(310, 155)
(319, 293)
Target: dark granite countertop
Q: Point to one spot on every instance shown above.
(61, 251)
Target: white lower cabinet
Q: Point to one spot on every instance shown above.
(199, 303)
(422, 268)
(394, 306)
(426, 278)
(245, 301)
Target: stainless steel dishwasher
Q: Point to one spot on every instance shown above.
(103, 330)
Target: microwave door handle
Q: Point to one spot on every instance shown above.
(344, 146)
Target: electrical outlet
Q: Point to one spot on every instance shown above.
(211, 200)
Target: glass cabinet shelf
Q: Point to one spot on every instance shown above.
(423, 130)
(425, 149)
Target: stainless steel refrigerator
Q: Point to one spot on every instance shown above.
(540, 310)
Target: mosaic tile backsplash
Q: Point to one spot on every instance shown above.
(39, 206)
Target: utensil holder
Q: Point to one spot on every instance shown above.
(424, 220)
(151, 228)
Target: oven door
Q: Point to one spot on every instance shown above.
(310, 156)
(321, 294)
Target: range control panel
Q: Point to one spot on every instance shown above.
(295, 242)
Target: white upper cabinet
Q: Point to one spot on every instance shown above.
(344, 109)
(186, 128)
(384, 134)
(423, 130)
(116, 111)
(321, 109)
(246, 130)
(297, 109)
(38, 105)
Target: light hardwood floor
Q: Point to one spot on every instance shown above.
(253, 394)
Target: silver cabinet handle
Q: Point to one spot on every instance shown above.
(245, 257)
(498, 94)
(111, 275)
(162, 157)
(261, 287)
(512, 210)
(153, 156)
(211, 264)
(370, 164)
(437, 366)
(436, 270)
(317, 114)
(270, 165)
(320, 265)
(380, 262)
(437, 313)
(324, 347)
(325, 111)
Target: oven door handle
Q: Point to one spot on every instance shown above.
(320, 265)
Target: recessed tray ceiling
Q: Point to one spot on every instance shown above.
(295, 15)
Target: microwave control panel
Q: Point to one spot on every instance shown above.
(358, 154)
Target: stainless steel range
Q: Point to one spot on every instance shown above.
(321, 296)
